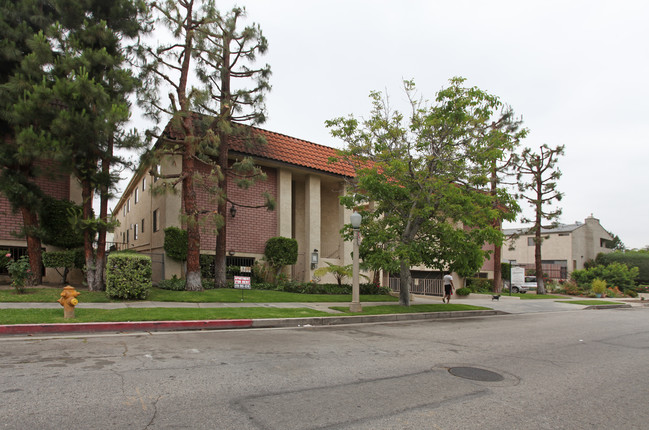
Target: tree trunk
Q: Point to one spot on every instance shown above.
(30, 224)
(540, 285)
(193, 280)
(498, 275)
(224, 142)
(89, 253)
(103, 216)
(405, 281)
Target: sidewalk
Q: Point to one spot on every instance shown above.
(506, 305)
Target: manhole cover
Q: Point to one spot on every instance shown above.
(476, 374)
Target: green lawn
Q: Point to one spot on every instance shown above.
(589, 302)
(46, 316)
(221, 295)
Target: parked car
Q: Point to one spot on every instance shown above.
(528, 284)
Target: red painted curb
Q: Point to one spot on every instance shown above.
(124, 326)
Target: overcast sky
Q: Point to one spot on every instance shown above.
(575, 70)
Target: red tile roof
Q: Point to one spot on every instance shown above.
(294, 151)
(289, 150)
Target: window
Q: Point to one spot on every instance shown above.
(157, 171)
(155, 220)
(124, 210)
(137, 196)
(530, 241)
(123, 237)
(128, 205)
(142, 229)
(135, 231)
(127, 234)
(563, 234)
(144, 184)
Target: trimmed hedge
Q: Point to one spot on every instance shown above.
(312, 288)
(175, 244)
(280, 252)
(128, 276)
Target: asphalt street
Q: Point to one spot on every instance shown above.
(575, 369)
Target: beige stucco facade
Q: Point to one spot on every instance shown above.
(568, 245)
(307, 209)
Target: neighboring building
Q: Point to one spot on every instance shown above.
(305, 185)
(54, 184)
(566, 247)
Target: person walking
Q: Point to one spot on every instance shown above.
(448, 288)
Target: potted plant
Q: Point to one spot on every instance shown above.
(598, 286)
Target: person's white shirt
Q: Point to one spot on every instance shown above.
(448, 280)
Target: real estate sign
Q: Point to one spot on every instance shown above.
(242, 282)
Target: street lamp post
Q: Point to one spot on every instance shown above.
(355, 306)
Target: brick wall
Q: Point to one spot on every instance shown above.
(249, 230)
(54, 184)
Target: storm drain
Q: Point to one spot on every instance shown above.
(475, 374)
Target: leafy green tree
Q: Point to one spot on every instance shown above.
(422, 182)
(537, 182)
(209, 47)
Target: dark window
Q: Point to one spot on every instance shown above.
(142, 230)
(155, 220)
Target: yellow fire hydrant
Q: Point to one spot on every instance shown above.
(68, 300)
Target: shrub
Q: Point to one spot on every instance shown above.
(615, 274)
(631, 293)
(20, 272)
(464, 291)
(598, 286)
(175, 243)
(280, 252)
(207, 266)
(59, 259)
(571, 288)
(613, 292)
(173, 284)
(639, 259)
(128, 276)
(480, 285)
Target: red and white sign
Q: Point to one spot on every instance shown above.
(242, 282)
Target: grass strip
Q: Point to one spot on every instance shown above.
(398, 309)
(220, 295)
(589, 302)
(48, 316)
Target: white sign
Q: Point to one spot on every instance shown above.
(242, 282)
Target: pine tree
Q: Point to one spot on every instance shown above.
(76, 112)
(202, 119)
(538, 175)
(19, 22)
